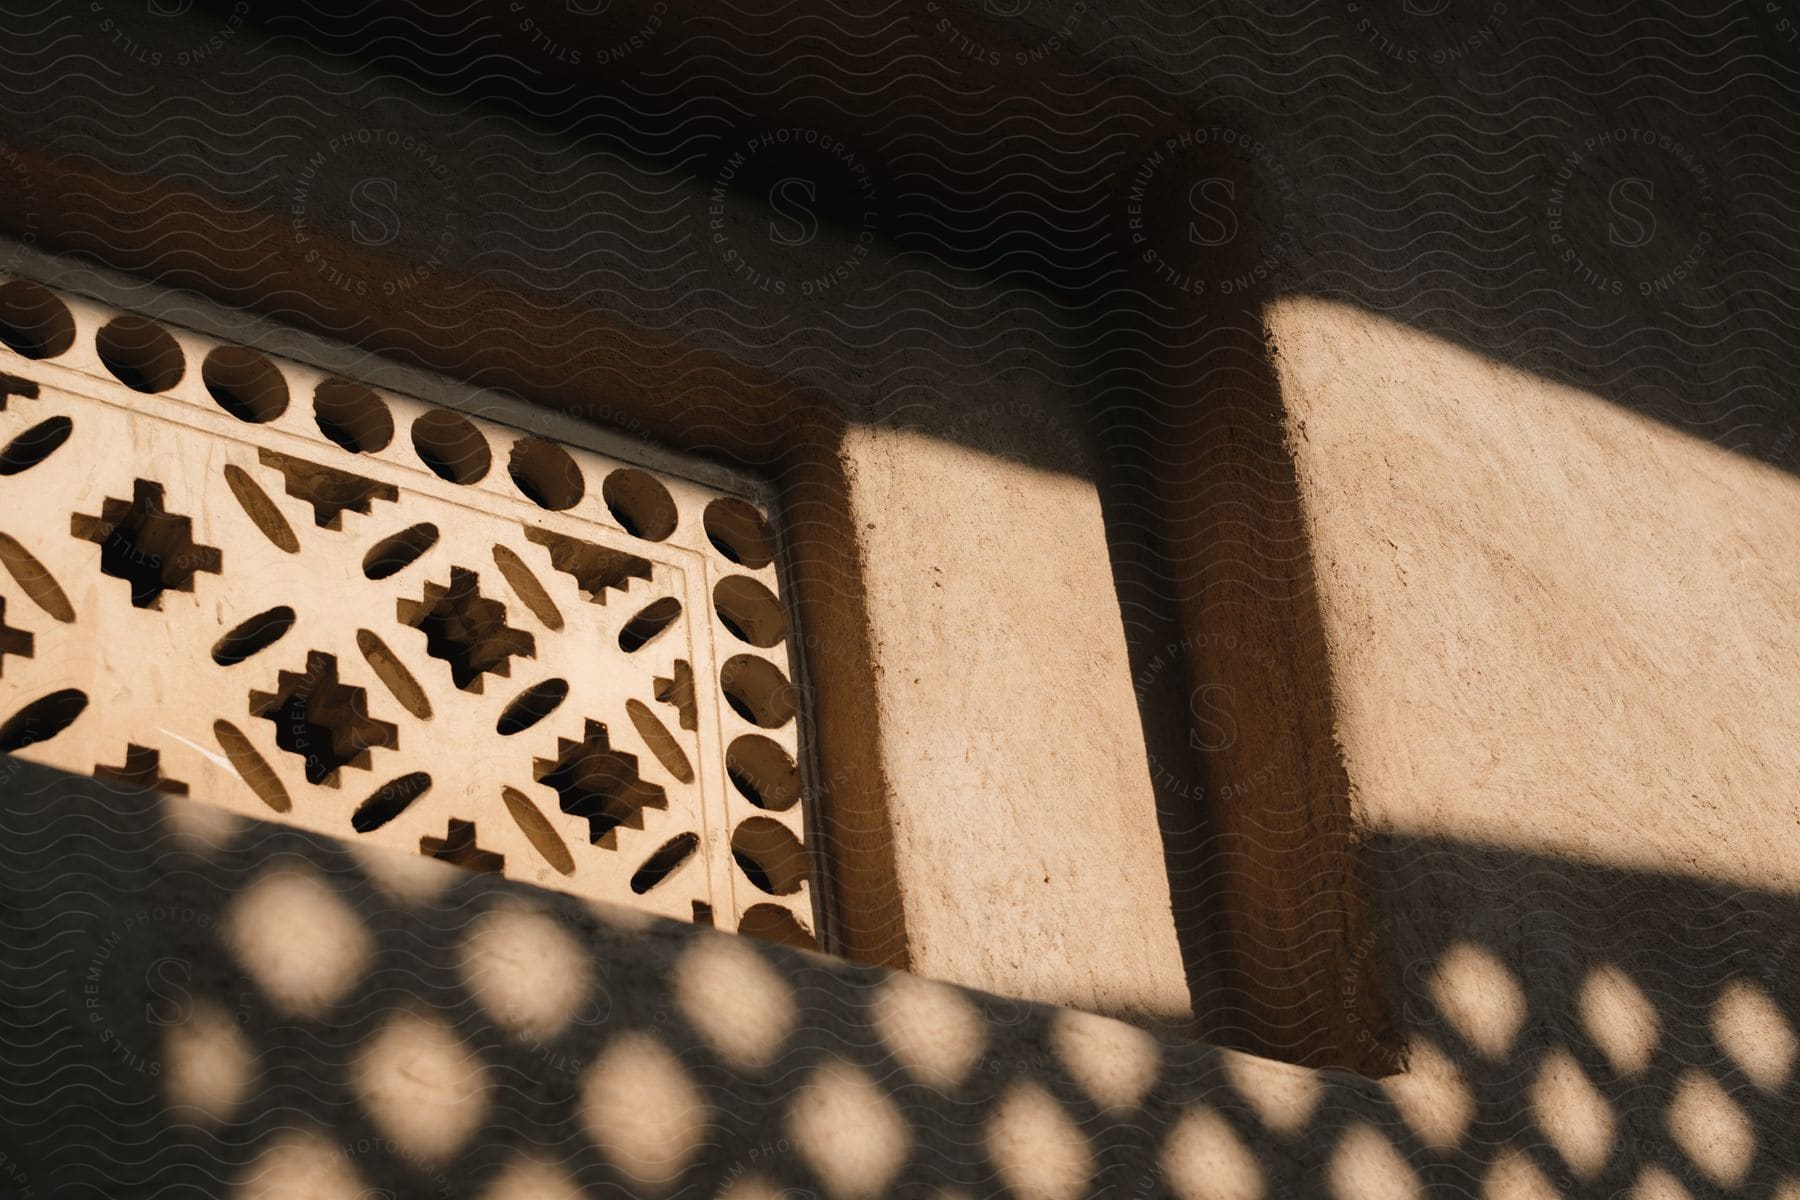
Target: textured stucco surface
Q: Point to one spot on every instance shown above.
(1555, 625)
(1001, 667)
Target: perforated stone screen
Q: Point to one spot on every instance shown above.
(237, 577)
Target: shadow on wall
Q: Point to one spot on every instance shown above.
(1595, 195)
(206, 1005)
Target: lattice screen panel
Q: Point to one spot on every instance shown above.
(236, 577)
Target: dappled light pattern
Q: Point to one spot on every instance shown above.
(1620, 1019)
(1115, 1064)
(747, 1033)
(1432, 1095)
(299, 940)
(933, 1029)
(526, 971)
(1515, 1177)
(1573, 1113)
(413, 880)
(1284, 1098)
(1759, 1039)
(1205, 1159)
(1656, 1183)
(308, 1164)
(421, 1085)
(1366, 1166)
(1041, 1153)
(207, 1064)
(274, 1014)
(644, 1111)
(532, 1179)
(848, 1129)
(1711, 1128)
(1474, 989)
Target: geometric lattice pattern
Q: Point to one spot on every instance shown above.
(389, 620)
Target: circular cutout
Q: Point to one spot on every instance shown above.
(451, 446)
(141, 354)
(763, 772)
(750, 611)
(757, 691)
(546, 474)
(737, 530)
(771, 857)
(33, 321)
(639, 502)
(353, 416)
(245, 384)
(773, 923)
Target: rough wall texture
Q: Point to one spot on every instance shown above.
(1559, 627)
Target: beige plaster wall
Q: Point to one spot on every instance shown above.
(1023, 801)
(1555, 625)
(1561, 637)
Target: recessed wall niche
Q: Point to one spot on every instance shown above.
(307, 598)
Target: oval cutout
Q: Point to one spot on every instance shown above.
(650, 622)
(42, 719)
(531, 706)
(769, 856)
(35, 580)
(251, 767)
(352, 416)
(662, 743)
(393, 674)
(34, 321)
(245, 384)
(398, 551)
(757, 691)
(525, 585)
(773, 923)
(260, 509)
(389, 801)
(761, 770)
(253, 636)
(750, 611)
(451, 446)
(738, 531)
(140, 354)
(665, 862)
(538, 831)
(546, 473)
(35, 445)
(640, 503)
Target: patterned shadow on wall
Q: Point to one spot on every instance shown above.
(238, 1008)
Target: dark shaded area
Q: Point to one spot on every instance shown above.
(115, 950)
